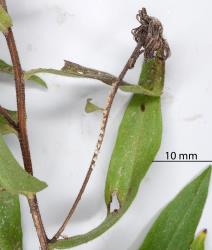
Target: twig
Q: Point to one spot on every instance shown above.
(8, 118)
(149, 36)
(22, 131)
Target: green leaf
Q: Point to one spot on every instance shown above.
(37, 80)
(177, 223)
(74, 241)
(137, 143)
(139, 138)
(91, 107)
(10, 222)
(8, 69)
(199, 241)
(5, 20)
(5, 68)
(5, 128)
(13, 178)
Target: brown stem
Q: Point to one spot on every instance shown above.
(130, 64)
(22, 131)
(8, 118)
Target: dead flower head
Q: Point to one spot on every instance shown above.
(150, 35)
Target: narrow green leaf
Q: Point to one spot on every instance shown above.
(8, 69)
(48, 71)
(5, 128)
(10, 222)
(91, 107)
(199, 241)
(5, 20)
(177, 223)
(137, 143)
(37, 80)
(13, 178)
(139, 138)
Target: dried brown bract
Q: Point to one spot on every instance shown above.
(150, 35)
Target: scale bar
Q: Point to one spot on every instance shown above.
(180, 161)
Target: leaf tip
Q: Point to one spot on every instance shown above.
(207, 171)
(37, 80)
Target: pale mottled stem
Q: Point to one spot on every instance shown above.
(130, 63)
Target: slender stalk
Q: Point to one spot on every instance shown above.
(129, 65)
(22, 131)
(8, 118)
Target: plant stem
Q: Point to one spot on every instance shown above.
(129, 65)
(8, 118)
(22, 131)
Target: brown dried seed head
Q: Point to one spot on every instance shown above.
(150, 35)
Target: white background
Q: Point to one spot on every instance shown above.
(96, 33)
